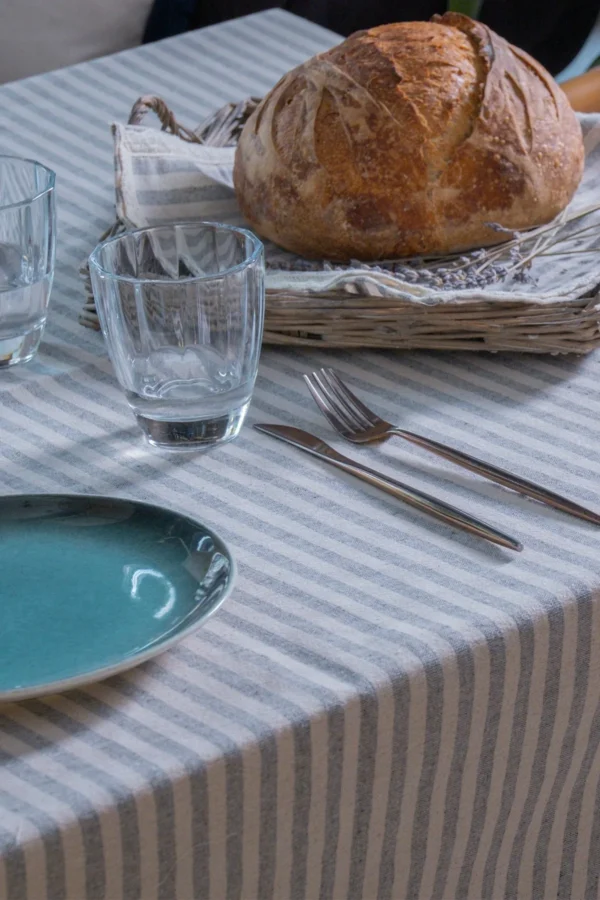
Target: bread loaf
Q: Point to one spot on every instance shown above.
(408, 139)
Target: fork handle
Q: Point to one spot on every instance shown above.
(500, 476)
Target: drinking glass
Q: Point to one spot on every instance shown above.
(182, 309)
(27, 242)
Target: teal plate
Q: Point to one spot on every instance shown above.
(90, 586)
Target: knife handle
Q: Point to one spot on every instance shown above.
(427, 504)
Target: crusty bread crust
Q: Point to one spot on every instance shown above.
(408, 139)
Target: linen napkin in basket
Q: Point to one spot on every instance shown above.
(161, 178)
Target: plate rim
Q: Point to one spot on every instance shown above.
(98, 675)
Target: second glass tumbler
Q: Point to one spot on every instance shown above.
(182, 310)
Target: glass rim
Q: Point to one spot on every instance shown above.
(132, 279)
(41, 193)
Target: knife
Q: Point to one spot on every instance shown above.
(421, 501)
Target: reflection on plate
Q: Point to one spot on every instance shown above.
(90, 586)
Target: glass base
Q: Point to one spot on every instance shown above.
(20, 349)
(199, 434)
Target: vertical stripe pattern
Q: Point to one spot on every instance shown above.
(383, 709)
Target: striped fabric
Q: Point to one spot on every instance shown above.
(384, 708)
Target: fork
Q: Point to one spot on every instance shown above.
(360, 425)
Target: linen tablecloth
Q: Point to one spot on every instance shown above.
(383, 708)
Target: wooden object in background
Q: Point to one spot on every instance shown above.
(583, 92)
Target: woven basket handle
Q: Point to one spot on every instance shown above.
(167, 119)
(221, 129)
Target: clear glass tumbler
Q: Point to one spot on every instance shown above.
(27, 243)
(182, 311)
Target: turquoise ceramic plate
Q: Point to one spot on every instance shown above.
(90, 586)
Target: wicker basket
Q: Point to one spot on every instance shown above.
(350, 321)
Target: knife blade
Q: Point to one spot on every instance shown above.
(427, 504)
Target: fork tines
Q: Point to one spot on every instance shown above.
(338, 404)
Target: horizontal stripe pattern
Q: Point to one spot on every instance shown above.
(383, 708)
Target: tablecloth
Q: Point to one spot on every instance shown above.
(383, 708)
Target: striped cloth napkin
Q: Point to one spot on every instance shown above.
(161, 178)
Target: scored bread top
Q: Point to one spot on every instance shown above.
(408, 139)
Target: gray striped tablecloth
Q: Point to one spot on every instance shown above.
(383, 709)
